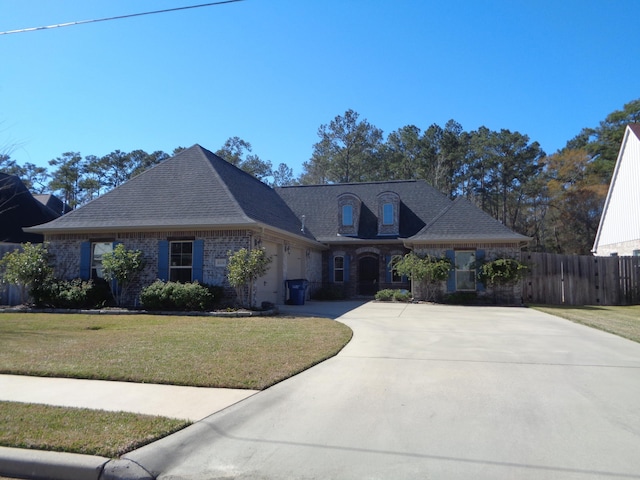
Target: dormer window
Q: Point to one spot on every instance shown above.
(347, 215)
(388, 214)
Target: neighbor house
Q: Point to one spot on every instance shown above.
(19, 209)
(190, 211)
(619, 229)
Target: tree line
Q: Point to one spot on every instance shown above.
(556, 199)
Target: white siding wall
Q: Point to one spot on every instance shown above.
(621, 219)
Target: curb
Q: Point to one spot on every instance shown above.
(40, 464)
(36, 464)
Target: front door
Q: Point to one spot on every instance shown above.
(368, 275)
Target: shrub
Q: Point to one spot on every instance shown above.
(388, 295)
(502, 271)
(385, 295)
(123, 266)
(74, 293)
(28, 268)
(176, 296)
(243, 268)
(402, 296)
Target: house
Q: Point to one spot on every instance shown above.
(187, 213)
(19, 209)
(619, 229)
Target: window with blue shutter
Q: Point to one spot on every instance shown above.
(85, 260)
(198, 260)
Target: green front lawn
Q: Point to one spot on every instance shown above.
(251, 353)
(619, 320)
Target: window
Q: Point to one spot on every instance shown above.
(387, 214)
(338, 269)
(98, 249)
(347, 215)
(180, 261)
(465, 270)
(636, 253)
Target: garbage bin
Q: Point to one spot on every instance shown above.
(297, 290)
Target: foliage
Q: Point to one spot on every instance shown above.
(76, 293)
(243, 268)
(237, 152)
(427, 270)
(26, 268)
(122, 266)
(397, 295)
(502, 271)
(345, 152)
(173, 296)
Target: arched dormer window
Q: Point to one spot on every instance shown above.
(348, 214)
(388, 213)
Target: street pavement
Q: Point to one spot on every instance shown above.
(432, 392)
(424, 391)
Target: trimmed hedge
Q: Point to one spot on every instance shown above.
(74, 293)
(388, 295)
(175, 296)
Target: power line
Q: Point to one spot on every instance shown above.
(80, 22)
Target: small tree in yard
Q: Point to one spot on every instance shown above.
(502, 274)
(122, 266)
(428, 271)
(27, 268)
(244, 267)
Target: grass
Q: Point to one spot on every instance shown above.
(250, 353)
(78, 430)
(619, 320)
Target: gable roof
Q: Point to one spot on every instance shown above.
(620, 219)
(420, 202)
(463, 221)
(18, 209)
(193, 189)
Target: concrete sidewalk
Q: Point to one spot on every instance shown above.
(187, 403)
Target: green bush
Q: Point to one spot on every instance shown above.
(175, 296)
(388, 295)
(402, 296)
(74, 293)
(385, 295)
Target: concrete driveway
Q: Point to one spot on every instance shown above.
(432, 392)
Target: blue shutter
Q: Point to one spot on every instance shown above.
(85, 260)
(198, 260)
(346, 268)
(479, 261)
(387, 269)
(331, 279)
(163, 260)
(451, 281)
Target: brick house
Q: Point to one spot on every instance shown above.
(189, 211)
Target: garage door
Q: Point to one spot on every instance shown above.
(267, 287)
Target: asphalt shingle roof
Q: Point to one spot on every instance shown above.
(194, 189)
(198, 189)
(461, 220)
(18, 209)
(419, 204)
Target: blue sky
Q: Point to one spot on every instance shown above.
(273, 71)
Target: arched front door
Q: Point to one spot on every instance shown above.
(368, 275)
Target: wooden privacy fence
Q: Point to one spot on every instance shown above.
(581, 279)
